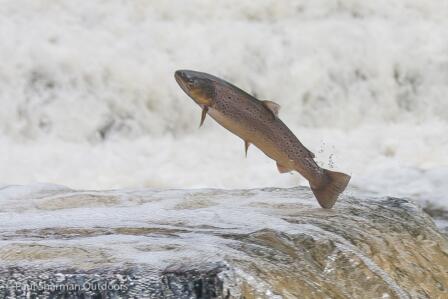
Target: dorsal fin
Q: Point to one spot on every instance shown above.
(271, 106)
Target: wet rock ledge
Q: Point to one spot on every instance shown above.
(260, 243)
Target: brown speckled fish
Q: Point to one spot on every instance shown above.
(257, 122)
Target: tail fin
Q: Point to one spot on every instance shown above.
(334, 184)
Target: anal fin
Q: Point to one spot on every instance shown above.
(283, 169)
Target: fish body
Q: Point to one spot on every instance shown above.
(257, 123)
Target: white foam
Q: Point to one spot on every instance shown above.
(89, 101)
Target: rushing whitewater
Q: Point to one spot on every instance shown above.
(88, 101)
(256, 243)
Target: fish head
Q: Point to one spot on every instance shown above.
(198, 86)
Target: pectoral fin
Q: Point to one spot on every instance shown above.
(271, 106)
(246, 146)
(283, 169)
(203, 115)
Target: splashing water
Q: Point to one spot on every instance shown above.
(264, 243)
(89, 100)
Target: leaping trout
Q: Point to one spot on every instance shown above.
(257, 123)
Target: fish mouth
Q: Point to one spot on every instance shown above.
(182, 78)
(196, 85)
(179, 75)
